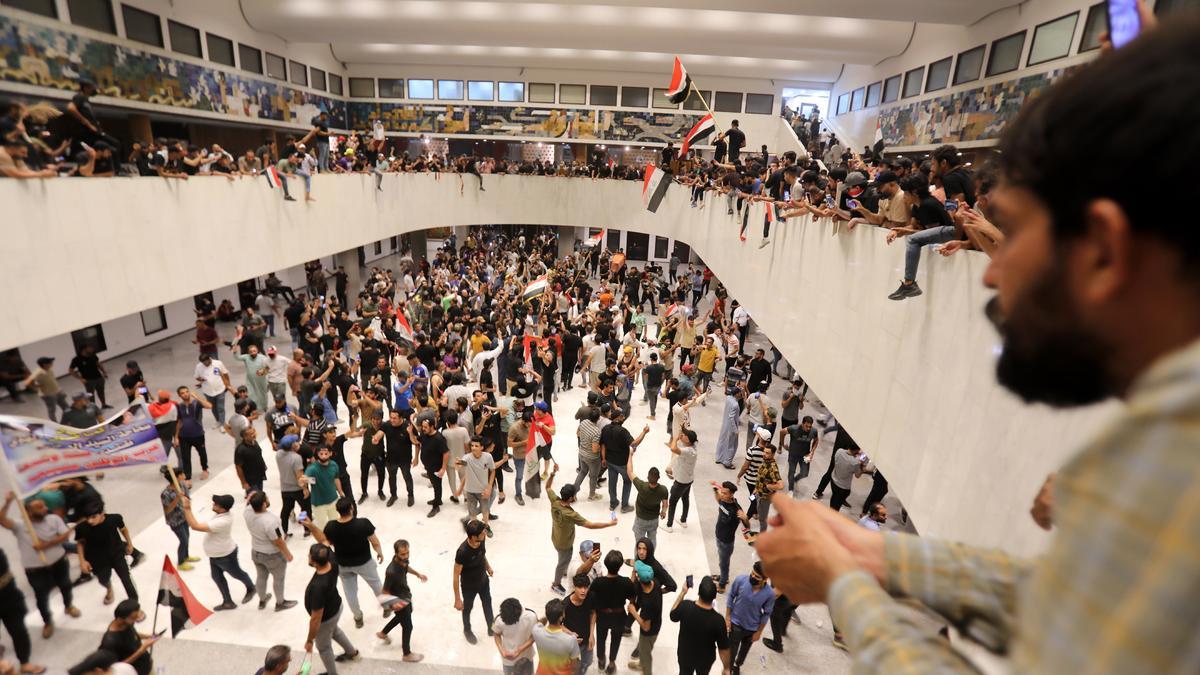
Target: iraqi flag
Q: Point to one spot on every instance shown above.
(539, 435)
(681, 83)
(701, 131)
(186, 610)
(595, 239)
(273, 178)
(535, 289)
(403, 327)
(654, 187)
(771, 216)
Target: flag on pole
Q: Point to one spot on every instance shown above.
(403, 327)
(186, 610)
(535, 289)
(681, 83)
(539, 435)
(702, 130)
(654, 187)
(273, 178)
(771, 218)
(595, 239)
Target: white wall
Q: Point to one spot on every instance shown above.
(912, 381)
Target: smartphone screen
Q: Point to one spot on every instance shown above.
(1123, 22)
(852, 203)
(689, 581)
(951, 205)
(302, 516)
(612, 515)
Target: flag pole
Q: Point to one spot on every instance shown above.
(692, 85)
(33, 538)
(157, 604)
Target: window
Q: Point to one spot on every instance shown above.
(379, 248)
(250, 58)
(762, 104)
(661, 100)
(939, 75)
(912, 81)
(873, 93)
(891, 89)
(572, 93)
(276, 66)
(728, 101)
(843, 105)
(94, 14)
(1052, 40)
(541, 93)
(856, 99)
(416, 88)
(970, 63)
(43, 7)
(220, 50)
(1095, 26)
(364, 87)
(335, 84)
(450, 90)
(388, 88)
(481, 90)
(184, 39)
(635, 97)
(603, 94)
(512, 91)
(1006, 54)
(92, 335)
(142, 26)
(299, 73)
(318, 78)
(661, 243)
(698, 100)
(154, 320)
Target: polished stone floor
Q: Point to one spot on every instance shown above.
(521, 553)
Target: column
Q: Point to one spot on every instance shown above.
(349, 260)
(419, 245)
(139, 128)
(566, 239)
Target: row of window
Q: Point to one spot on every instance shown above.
(146, 27)
(1051, 40)
(547, 92)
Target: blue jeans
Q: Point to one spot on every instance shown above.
(917, 240)
(270, 319)
(228, 564)
(218, 406)
(613, 472)
(323, 156)
(724, 553)
(183, 533)
(585, 660)
(518, 473)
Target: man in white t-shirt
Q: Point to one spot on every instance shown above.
(48, 569)
(277, 372)
(741, 319)
(683, 469)
(267, 309)
(213, 378)
(514, 629)
(268, 550)
(220, 548)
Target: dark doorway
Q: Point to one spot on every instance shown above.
(683, 252)
(247, 291)
(637, 246)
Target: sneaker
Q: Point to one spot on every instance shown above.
(840, 643)
(391, 500)
(285, 605)
(224, 606)
(413, 657)
(289, 198)
(342, 658)
(683, 524)
(626, 509)
(262, 602)
(817, 495)
(667, 528)
(764, 242)
(558, 589)
(453, 499)
(595, 498)
(773, 645)
(433, 512)
(358, 622)
(471, 639)
(191, 558)
(362, 498)
(250, 593)
(634, 665)
(410, 500)
(520, 501)
(186, 567)
(905, 291)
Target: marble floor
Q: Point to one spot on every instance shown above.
(520, 553)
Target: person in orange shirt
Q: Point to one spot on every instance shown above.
(616, 266)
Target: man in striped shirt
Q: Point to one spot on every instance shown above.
(1096, 297)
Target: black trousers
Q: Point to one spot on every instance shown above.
(827, 477)
(484, 593)
(364, 471)
(679, 492)
(780, 615)
(740, 641)
(45, 579)
(879, 489)
(609, 627)
(104, 576)
(404, 468)
(290, 500)
(839, 498)
(436, 481)
(185, 454)
(12, 614)
(689, 665)
(568, 371)
(403, 618)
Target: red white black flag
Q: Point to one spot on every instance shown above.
(681, 83)
(654, 187)
(701, 131)
(186, 610)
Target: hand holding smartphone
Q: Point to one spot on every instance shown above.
(1124, 22)
(688, 581)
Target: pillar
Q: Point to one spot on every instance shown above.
(139, 128)
(419, 245)
(566, 239)
(349, 260)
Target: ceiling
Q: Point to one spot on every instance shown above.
(804, 40)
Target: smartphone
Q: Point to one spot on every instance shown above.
(829, 201)
(612, 515)
(951, 205)
(852, 203)
(160, 633)
(1124, 24)
(302, 516)
(689, 581)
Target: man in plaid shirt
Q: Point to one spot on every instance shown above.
(1096, 296)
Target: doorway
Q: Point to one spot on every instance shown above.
(637, 246)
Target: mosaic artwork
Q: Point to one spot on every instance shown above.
(614, 125)
(47, 57)
(972, 115)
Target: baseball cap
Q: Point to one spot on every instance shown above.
(855, 183)
(542, 405)
(272, 350)
(83, 395)
(224, 501)
(132, 365)
(644, 571)
(288, 441)
(885, 177)
(763, 433)
(587, 546)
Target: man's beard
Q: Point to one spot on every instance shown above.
(1047, 356)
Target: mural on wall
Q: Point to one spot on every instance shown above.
(47, 57)
(972, 115)
(484, 120)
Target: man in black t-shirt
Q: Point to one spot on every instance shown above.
(729, 516)
(124, 640)
(617, 446)
(321, 140)
(654, 372)
(471, 578)
(352, 539)
(435, 453)
(87, 369)
(324, 606)
(103, 542)
(132, 379)
(610, 593)
(248, 458)
(398, 438)
(578, 613)
(933, 226)
(736, 139)
(702, 632)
